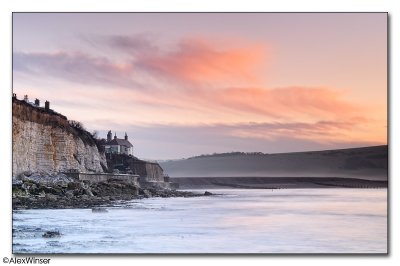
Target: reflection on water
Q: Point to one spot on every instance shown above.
(239, 221)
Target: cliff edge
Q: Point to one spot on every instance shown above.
(47, 142)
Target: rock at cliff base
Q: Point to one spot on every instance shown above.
(146, 193)
(16, 181)
(47, 178)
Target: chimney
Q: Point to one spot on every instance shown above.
(115, 136)
(47, 105)
(37, 102)
(109, 136)
(14, 95)
(26, 98)
(126, 136)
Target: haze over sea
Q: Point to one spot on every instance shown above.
(333, 220)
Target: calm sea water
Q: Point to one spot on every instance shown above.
(239, 221)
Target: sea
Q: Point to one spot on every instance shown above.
(330, 220)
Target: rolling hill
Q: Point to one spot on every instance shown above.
(367, 163)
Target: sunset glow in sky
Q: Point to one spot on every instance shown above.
(189, 84)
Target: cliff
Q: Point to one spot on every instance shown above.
(45, 141)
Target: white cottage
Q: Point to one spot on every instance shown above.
(118, 146)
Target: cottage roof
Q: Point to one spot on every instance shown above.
(121, 142)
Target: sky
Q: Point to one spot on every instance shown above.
(187, 84)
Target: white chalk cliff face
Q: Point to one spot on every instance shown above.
(43, 142)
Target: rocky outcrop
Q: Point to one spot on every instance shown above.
(44, 141)
(29, 194)
(44, 178)
(51, 234)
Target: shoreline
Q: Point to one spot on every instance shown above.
(29, 194)
(32, 203)
(277, 182)
(33, 195)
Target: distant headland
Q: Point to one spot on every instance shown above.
(365, 167)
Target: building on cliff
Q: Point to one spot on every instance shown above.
(118, 146)
(36, 103)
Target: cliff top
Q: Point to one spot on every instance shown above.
(36, 108)
(29, 112)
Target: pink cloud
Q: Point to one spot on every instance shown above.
(320, 133)
(284, 102)
(191, 66)
(198, 60)
(194, 61)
